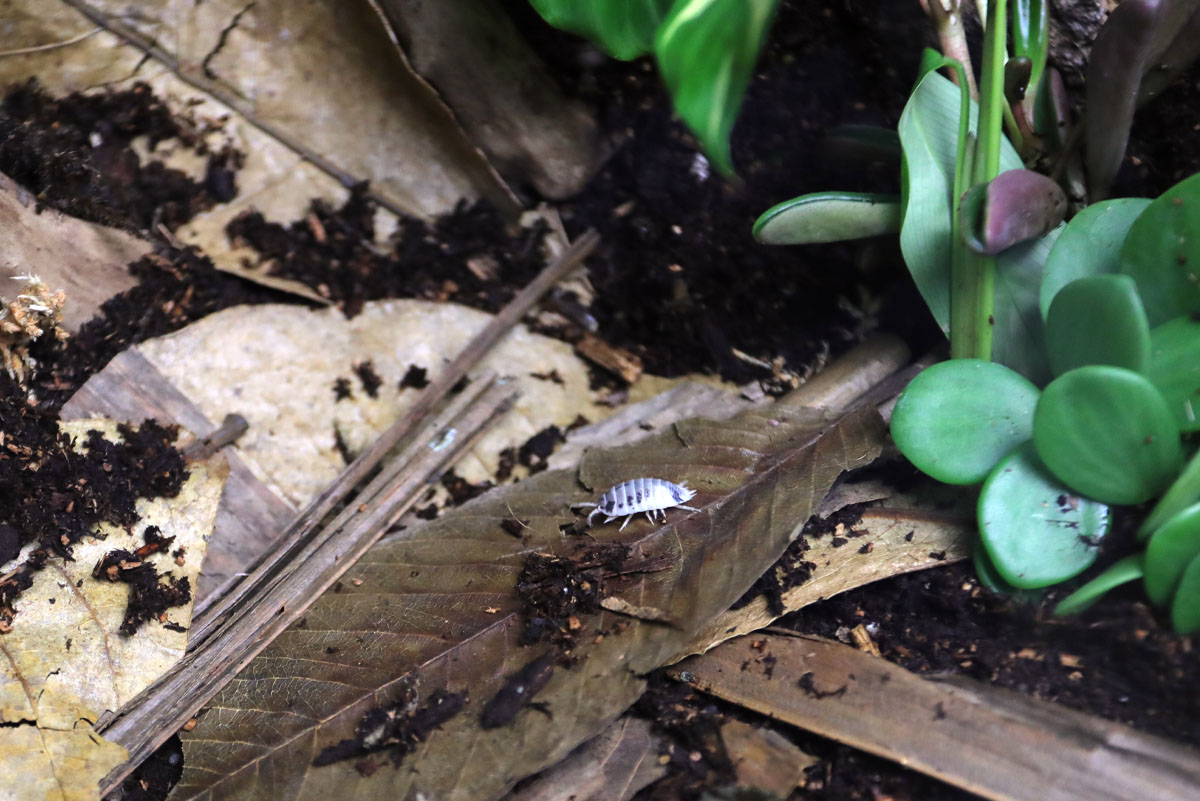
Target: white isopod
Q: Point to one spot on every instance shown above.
(649, 495)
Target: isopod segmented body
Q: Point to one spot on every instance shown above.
(641, 495)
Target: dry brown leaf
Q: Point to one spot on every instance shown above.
(277, 365)
(764, 759)
(991, 742)
(87, 261)
(313, 94)
(473, 54)
(65, 663)
(612, 766)
(436, 609)
(902, 537)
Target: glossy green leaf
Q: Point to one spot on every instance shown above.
(929, 134)
(1020, 337)
(990, 577)
(1031, 35)
(1098, 320)
(1015, 206)
(1089, 245)
(1185, 609)
(1183, 492)
(1036, 531)
(1170, 549)
(957, 419)
(706, 52)
(1120, 572)
(1175, 368)
(625, 29)
(1162, 253)
(1107, 433)
(828, 217)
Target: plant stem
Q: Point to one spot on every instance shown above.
(953, 38)
(973, 277)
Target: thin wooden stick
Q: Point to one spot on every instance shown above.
(151, 717)
(307, 523)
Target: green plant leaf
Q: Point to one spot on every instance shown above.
(929, 134)
(625, 29)
(706, 52)
(1168, 552)
(957, 419)
(1183, 492)
(1162, 253)
(1098, 320)
(1089, 245)
(1020, 338)
(990, 577)
(1120, 572)
(1185, 609)
(1107, 433)
(1175, 368)
(1014, 207)
(1031, 35)
(1036, 531)
(828, 217)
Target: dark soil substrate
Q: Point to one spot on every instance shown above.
(681, 284)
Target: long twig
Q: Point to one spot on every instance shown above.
(163, 708)
(306, 524)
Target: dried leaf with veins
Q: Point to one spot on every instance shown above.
(434, 607)
(65, 661)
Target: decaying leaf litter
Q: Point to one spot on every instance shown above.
(645, 229)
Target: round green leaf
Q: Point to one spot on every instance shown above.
(1185, 610)
(956, 419)
(1089, 245)
(828, 217)
(1098, 320)
(1120, 572)
(1036, 531)
(1107, 433)
(990, 577)
(1170, 549)
(1175, 368)
(1162, 252)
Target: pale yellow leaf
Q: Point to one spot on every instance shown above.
(48, 765)
(65, 661)
(276, 366)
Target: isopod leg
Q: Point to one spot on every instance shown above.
(626, 523)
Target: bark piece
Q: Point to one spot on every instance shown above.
(992, 742)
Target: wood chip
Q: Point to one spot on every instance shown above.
(616, 360)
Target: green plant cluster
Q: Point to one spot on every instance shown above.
(1121, 306)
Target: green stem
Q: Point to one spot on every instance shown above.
(973, 277)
